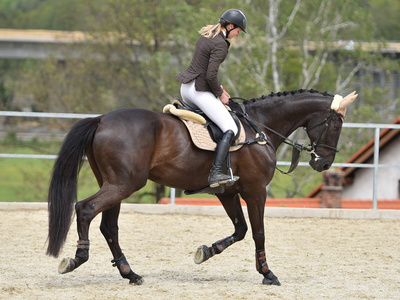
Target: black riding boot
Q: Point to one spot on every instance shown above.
(217, 177)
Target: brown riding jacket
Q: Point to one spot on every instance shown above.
(209, 53)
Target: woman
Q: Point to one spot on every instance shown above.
(201, 89)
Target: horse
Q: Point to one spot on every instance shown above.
(127, 147)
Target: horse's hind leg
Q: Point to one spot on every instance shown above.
(109, 229)
(235, 213)
(85, 212)
(108, 197)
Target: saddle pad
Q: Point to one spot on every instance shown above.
(198, 132)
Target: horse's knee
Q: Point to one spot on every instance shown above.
(240, 233)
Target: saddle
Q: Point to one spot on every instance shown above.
(204, 133)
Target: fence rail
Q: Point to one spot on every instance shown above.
(375, 165)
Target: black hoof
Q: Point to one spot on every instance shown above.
(271, 279)
(136, 281)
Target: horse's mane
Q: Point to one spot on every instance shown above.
(286, 93)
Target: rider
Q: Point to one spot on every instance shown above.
(200, 86)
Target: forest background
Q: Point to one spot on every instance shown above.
(137, 46)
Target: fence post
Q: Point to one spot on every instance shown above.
(172, 196)
(376, 169)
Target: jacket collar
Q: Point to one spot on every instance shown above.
(224, 37)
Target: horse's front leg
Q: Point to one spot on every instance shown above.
(231, 204)
(256, 215)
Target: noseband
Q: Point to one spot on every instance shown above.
(312, 147)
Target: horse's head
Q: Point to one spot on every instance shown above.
(324, 131)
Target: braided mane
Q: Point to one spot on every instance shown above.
(285, 93)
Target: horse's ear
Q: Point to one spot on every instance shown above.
(346, 102)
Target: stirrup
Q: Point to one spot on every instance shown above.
(229, 180)
(233, 178)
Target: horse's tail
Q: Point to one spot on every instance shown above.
(63, 185)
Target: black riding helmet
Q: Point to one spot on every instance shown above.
(235, 17)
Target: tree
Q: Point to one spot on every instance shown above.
(386, 16)
(41, 14)
(304, 44)
(135, 47)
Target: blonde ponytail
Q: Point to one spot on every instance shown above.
(210, 30)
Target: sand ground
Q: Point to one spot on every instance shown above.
(313, 259)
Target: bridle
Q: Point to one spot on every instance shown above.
(312, 147)
(297, 148)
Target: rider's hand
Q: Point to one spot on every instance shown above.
(224, 97)
(226, 93)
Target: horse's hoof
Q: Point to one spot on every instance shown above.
(202, 254)
(271, 282)
(137, 281)
(66, 265)
(271, 279)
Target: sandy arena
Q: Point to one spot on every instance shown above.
(313, 259)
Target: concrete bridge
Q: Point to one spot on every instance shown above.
(43, 44)
(39, 44)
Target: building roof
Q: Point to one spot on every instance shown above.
(363, 155)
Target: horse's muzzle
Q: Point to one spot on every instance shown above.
(320, 164)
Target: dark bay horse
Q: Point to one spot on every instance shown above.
(127, 147)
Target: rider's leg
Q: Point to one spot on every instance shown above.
(218, 113)
(217, 176)
(210, 105)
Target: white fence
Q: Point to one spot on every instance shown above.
(375, 165)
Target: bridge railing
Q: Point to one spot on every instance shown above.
(375, 165)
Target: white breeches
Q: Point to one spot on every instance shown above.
(210, 105)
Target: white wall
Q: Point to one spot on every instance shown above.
(388, 178)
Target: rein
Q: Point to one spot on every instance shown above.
(297, 148)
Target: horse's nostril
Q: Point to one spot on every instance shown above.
(327, 166)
